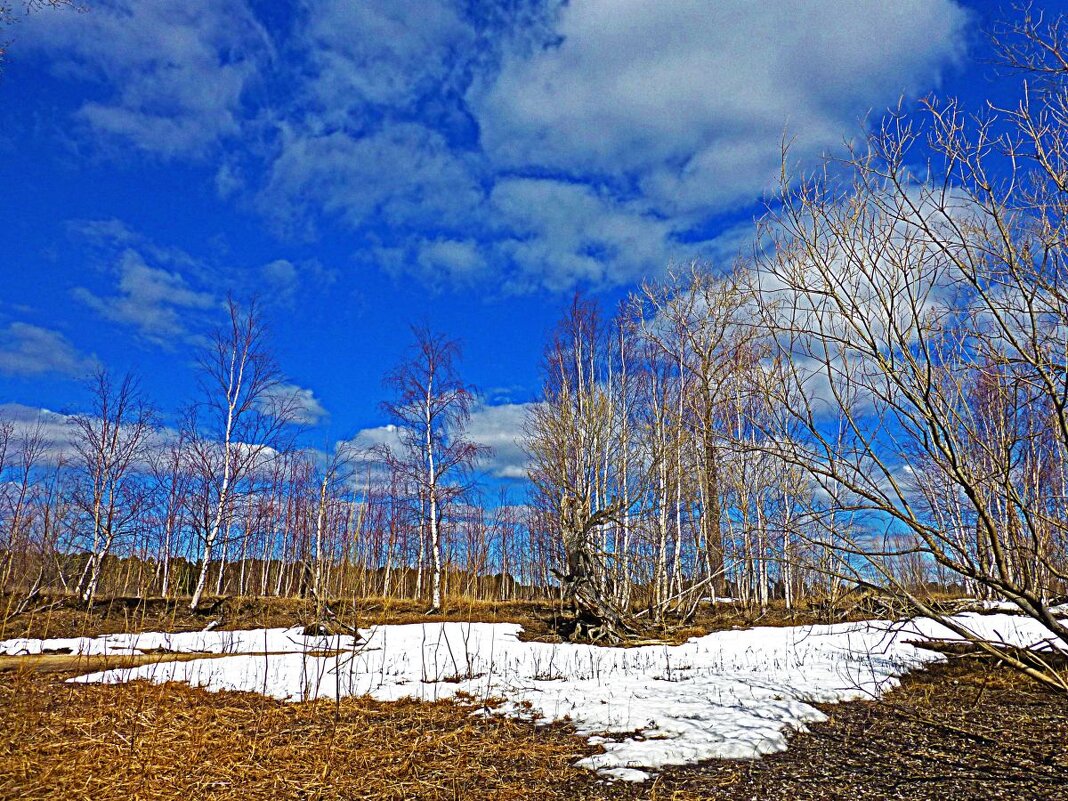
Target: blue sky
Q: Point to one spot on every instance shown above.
(366, 165)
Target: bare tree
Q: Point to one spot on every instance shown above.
(24, 451)
(431, 407)
(574, 435)
(111, 441)
(922, 319)
(699, 321)
(236, 427)
(169, 471)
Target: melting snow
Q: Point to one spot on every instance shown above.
(289, 640)
(730, 694)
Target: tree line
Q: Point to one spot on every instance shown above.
(876, 396)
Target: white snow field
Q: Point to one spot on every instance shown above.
(731, 694)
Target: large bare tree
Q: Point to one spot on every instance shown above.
(922, 317)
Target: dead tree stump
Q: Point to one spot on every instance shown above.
(595, 617)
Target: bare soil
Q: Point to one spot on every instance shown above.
(965, 730)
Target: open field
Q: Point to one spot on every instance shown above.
(963, 730)
(550, 399)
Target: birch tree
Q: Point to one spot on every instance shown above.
(235, 429)
(112, 443)
(431, 406)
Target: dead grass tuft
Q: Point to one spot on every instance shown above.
(145, 741)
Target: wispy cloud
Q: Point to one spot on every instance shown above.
(157, 303)
(29, 350)
(173, 74)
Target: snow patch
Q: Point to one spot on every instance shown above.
(208, 641)
(730, 694)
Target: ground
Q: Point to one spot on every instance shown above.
(964, 730)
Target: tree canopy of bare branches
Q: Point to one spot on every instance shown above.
(430, 407)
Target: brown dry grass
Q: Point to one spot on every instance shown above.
(964, 730)
(85, 663)
(144, 741)
(65, 616)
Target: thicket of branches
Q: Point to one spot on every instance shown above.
(878, 397)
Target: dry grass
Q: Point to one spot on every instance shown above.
(963, 730)
(65, 616)
(143, 741)
(85, 663)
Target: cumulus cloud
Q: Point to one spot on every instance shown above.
(501, 428)
(50, 431)
(691, 98)
(299, 401)
(368, 439)
(29, 350)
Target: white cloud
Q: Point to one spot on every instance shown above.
(29, 350)
(53, 430)
(559, 234)
(499, 427)
(455, 258)
(284, 280)
(404, 172)
(369, 438)
(502, 428)
(305, 407)
(176, 71)
(554, 145)
(693, 97)
(155, 301)
(380, 52)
